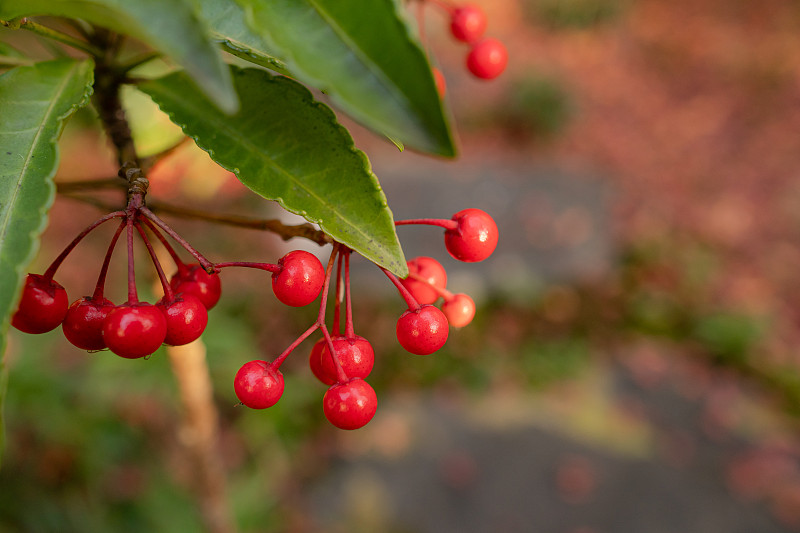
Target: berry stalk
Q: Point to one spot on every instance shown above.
(51, 270)
(407, 296)
(99, 288)
(441, 222)
(169, 295)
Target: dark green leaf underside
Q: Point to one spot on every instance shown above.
(170, 26)
(287, 147)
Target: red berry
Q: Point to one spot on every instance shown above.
(83, 325)
(198, 282)
(350, 405)
(487, 59)
(459, 310)
(355, 355)
(474, 239)
(422, 331)
(467, 23)
(133, 330)
(431, 271)
(186, 318)
(300, 279)
(258, 385)
(315, 363)
(42, 307)
(441, 82)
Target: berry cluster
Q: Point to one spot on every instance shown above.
(341, 359)
(487, 57)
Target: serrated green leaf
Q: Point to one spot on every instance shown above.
(34, 103)
(287, 147)
(226, 20)
(362, 54)
(170, 26)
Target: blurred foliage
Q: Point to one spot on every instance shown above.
(536, 106)
(568, 14)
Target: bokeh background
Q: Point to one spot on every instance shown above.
(633, 367)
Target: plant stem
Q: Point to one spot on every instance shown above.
(407, 296)
(51, 270)
(207, 265)
(169, 296)
(101, 278)
(276, 364)
(133, 296)
(348, 306)
(441, 222)
(27, 24)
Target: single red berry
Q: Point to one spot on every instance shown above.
(133, 330)
(474, 239)
(355, 355)
(258, 385)
(300, 279)
(441, 82)
(42, 307)
(431, 271)
(83, 325)
(459, 310)
(422, 331)
(487, 59)
(315, 363)
(350, 405)
(467, 23)
(186, 318)
(198, 282)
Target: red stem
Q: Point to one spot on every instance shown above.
(133, 296)
(99, 288)
(341, 376)
(269, 267)
(407, 296)
(51, 270)
(169, 295)
(338, 298)
(276, 364)
(348, 321)
(205, 263)
(444, 293)
(441, 222)
(165, 243)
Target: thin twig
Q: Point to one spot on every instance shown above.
(27, 24)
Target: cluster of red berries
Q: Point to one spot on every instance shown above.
(340, 360)
(487, 57)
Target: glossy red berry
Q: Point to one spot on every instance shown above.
(300, 279)
(315, 363)
(459, 310)
(258, 385)
(431, 271)
(355, 355)
(83, 325)
(196, 281)
(422, 331)
(487, 59)
(474, 239)
(350, 405)
(186, 318)
(133, 330)
(42, 307)
(467, 23)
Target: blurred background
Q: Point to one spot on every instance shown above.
(633, 366)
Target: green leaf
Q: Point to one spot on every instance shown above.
(34, 103)
(361, 53)
(287, 147)
(228, 27)
(170, 26)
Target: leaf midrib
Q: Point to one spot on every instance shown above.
(23, 171)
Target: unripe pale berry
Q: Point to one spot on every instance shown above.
(186, 318)
(474, 239)
(196, 281)
(300, 279)
(350, 405)
(422, 331)
(42, 307)
(83, 325)
(467, 23)
(459, 310)
(487, 59)
(355, 355)
(431, 271)
(258, 385)
(134, 330)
